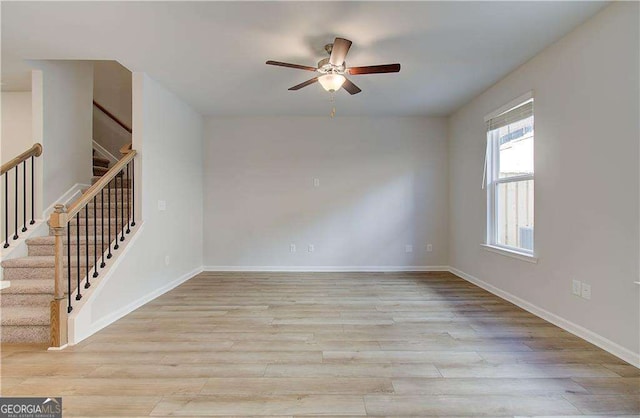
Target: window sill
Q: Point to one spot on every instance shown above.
(509, 253)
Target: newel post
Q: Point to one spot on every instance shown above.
(57, 223)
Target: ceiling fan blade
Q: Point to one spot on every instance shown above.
(375, 69)
(339, 51)
(296, 66)
(305, 84)
(350, 87)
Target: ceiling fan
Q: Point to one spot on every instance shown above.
(333, 69)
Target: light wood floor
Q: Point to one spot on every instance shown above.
(417, 344)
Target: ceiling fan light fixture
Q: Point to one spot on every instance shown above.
(332, 81)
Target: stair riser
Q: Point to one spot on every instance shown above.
(98, 162)
(25, 299)
(25, 334)
(113, 212)
(40, 250)
(116, 182)
(107, 214)
(114, 194)
(99, 171)
(12, 273)
(106, 231)
(98, 221)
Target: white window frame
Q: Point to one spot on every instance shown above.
(493, 181)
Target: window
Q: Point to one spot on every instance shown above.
(510, 178)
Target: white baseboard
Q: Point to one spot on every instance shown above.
(69, 196)
(590, 336)
(326, 269)
(102, 152)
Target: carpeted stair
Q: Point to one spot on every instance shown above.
(25, 315)
(100, 165)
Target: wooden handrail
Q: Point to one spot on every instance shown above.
(61, 305)
(93, 191)
(112, 116)
(34, 151)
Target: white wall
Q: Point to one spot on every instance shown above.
(383, 185)
(16, 124)
(586, 89)
(168, 136)
(112, 90)
(15, 138)
(65, 99)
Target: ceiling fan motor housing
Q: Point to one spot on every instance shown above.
(325, 67)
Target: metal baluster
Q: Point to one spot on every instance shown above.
(86, 244)
(6, 210)
(128, 201)
(109, 217)
(24, 195)
(121, 206)
(32, 194)
(79, 295)
(133, 193)
(116, 246)
(15, 221)
(95, 239)
(102, 227)
(69, 308)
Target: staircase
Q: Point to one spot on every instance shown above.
(25, 304)
(100, 166)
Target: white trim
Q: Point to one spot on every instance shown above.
(514, 179)
(62, 347)
(69, 196)
(513, 103)
(102, 151)
(637, 282)
(4, 284)
(511, 253)
(319, 269)
(114, 316)
(590, 336)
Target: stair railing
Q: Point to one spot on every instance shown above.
(106, 195)
(5, 171)
(112, 117)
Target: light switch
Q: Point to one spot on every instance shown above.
(162, 205)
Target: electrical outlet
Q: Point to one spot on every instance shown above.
(408, 248)
(576, 288)
(429, 248)
(316, 182)
(292, 248)
(586, 291)
(311, 248)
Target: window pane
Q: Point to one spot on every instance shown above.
(514, 214)
(515, 144)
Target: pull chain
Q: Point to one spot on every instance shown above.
(333, 107)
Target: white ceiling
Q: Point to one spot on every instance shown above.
(212, 54)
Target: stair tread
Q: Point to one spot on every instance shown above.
(30, 286)
(26, 315)
(113, 189)
(100, 160)
(51, 240)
